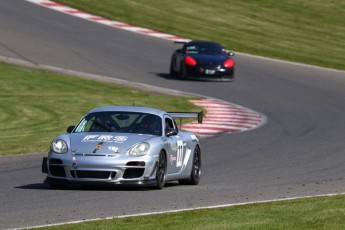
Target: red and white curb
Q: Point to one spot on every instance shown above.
(120, 25)
(222, 117)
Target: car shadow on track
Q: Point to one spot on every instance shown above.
(44, 186)
(37, 186)
(166, 76)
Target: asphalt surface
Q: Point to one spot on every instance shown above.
(300, 151)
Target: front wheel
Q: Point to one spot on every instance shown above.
(161, 170)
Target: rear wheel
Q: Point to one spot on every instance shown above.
(172, 69)
(195, 174)
(182, 73)
(161, 170)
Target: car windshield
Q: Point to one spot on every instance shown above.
(121, 122)
(204, 48)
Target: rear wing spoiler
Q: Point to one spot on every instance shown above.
(181, 42)
(180, 115)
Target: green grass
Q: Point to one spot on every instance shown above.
(35, 106)
(309, 213)
(311, 32)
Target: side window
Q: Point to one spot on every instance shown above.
(170, 124)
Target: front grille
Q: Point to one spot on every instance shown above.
(56, 170)
(73, 173)
(92, 174)
(133, 173)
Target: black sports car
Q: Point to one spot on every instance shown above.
(202, 60)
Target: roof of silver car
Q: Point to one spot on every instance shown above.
(140, 109)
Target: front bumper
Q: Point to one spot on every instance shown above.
(99, 170)
(65, 182)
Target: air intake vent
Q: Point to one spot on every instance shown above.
(93, 174)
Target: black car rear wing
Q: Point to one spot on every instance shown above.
(181, 42)
(181, 115)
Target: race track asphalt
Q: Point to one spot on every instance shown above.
(298, 152)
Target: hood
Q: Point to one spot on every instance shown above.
(105, 143)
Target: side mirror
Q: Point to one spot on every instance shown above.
(70, 129)
(170, 132)
(230, 54)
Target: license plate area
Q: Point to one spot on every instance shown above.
(210, 71)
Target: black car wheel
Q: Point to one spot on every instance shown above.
(161, 170)
(196, 169)
(182, 73)
(172, 71)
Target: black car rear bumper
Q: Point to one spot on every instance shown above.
(194, 73)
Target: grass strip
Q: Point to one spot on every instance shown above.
(35, 105)
(308, 213)
(311, 32)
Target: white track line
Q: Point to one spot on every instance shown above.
(182, 210)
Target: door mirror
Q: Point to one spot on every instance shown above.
(70, 129)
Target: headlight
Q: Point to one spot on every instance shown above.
(59, 146)
(140, 149)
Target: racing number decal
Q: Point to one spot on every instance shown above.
(179, 159)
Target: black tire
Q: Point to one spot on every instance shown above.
(182, 73)
(172, 71)
(195, 174)
(161, 170)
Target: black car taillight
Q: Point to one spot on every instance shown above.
(229, 63)
(190, 61)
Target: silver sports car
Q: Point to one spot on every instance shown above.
(125, 145)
